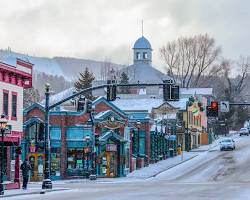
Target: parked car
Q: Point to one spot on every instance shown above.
(244, 131)
(227, 144)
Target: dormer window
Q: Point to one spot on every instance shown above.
(145, 55)
(138, 56)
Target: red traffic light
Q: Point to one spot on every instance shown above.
(214, 105)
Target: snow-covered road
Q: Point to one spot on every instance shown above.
(210, 175)
(214, 166)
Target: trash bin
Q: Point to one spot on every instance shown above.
(171, 152)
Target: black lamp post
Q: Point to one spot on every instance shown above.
(47, 184)
(87, 139)
(3, 123)
(138, 126)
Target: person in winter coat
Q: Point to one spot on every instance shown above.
(25, 167)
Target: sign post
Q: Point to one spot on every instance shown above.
(224, 106)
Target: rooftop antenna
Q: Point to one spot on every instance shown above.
(142, 27)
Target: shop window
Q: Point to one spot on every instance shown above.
(35, 136)
(142, 145)
(76, 161)
(6, 102)
(55, 133)
(14, 106)
(75, 133)
(55, 161)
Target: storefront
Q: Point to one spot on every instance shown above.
(11, 161)
(110, 155)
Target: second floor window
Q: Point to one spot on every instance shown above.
(6, 103)
(14, 105)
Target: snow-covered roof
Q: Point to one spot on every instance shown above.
(198, 91)
(147, 104)
(59, 96)
(144, 73)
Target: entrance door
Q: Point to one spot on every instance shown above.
(37, 162)
(111, 164)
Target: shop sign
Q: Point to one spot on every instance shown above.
(111, 147)
(32, 149)
(79, 161)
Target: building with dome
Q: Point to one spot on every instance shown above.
(142, 69)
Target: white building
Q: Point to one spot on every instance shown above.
(14, 77)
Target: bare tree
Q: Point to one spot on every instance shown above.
(188, 59)
(233, 88)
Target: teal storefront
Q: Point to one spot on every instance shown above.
(79, 151)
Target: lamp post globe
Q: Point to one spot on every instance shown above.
(3, 124)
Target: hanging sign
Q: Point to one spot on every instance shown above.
(111, 147)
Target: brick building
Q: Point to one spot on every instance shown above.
(113, 141)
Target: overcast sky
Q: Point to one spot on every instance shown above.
(107, 29)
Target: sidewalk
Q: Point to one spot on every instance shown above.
(154, 169)
(32, 189)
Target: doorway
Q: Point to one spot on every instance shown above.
(111, 164)
(37, 162)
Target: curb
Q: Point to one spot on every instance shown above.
(36, 192)
(172, 166)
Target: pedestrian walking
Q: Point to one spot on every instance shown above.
(25, 167)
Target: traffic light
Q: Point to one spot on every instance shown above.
(170, 91)
(89, 106)
(212, 110)
(80, 104)
(97, 142)
(175, 91)
(111, 90)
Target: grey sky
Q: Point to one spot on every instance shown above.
(107, 29)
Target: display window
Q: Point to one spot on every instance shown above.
(55, 161)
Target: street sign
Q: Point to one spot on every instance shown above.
(224, 106)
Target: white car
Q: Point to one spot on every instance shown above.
(227, 144)
(244, 131)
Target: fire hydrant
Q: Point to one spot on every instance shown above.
(179, 151)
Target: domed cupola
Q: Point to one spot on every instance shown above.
(142, 51)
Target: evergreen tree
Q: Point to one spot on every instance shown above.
(124, 80)
(85, 81)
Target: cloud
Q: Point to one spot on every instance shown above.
(108, 28)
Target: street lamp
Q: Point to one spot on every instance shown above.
(3, 124)
(87, 140)
(47, 184)
(138, 126)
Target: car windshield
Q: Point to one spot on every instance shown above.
(243, 129)
(227, 140)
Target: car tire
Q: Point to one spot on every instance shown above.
(221, 149)
(240, 134)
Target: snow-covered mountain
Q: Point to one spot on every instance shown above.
(69, 68)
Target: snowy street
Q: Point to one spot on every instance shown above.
(210, 175)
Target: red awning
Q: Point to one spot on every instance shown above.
(10, 140)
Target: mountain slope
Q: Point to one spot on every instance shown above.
(69, 68)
